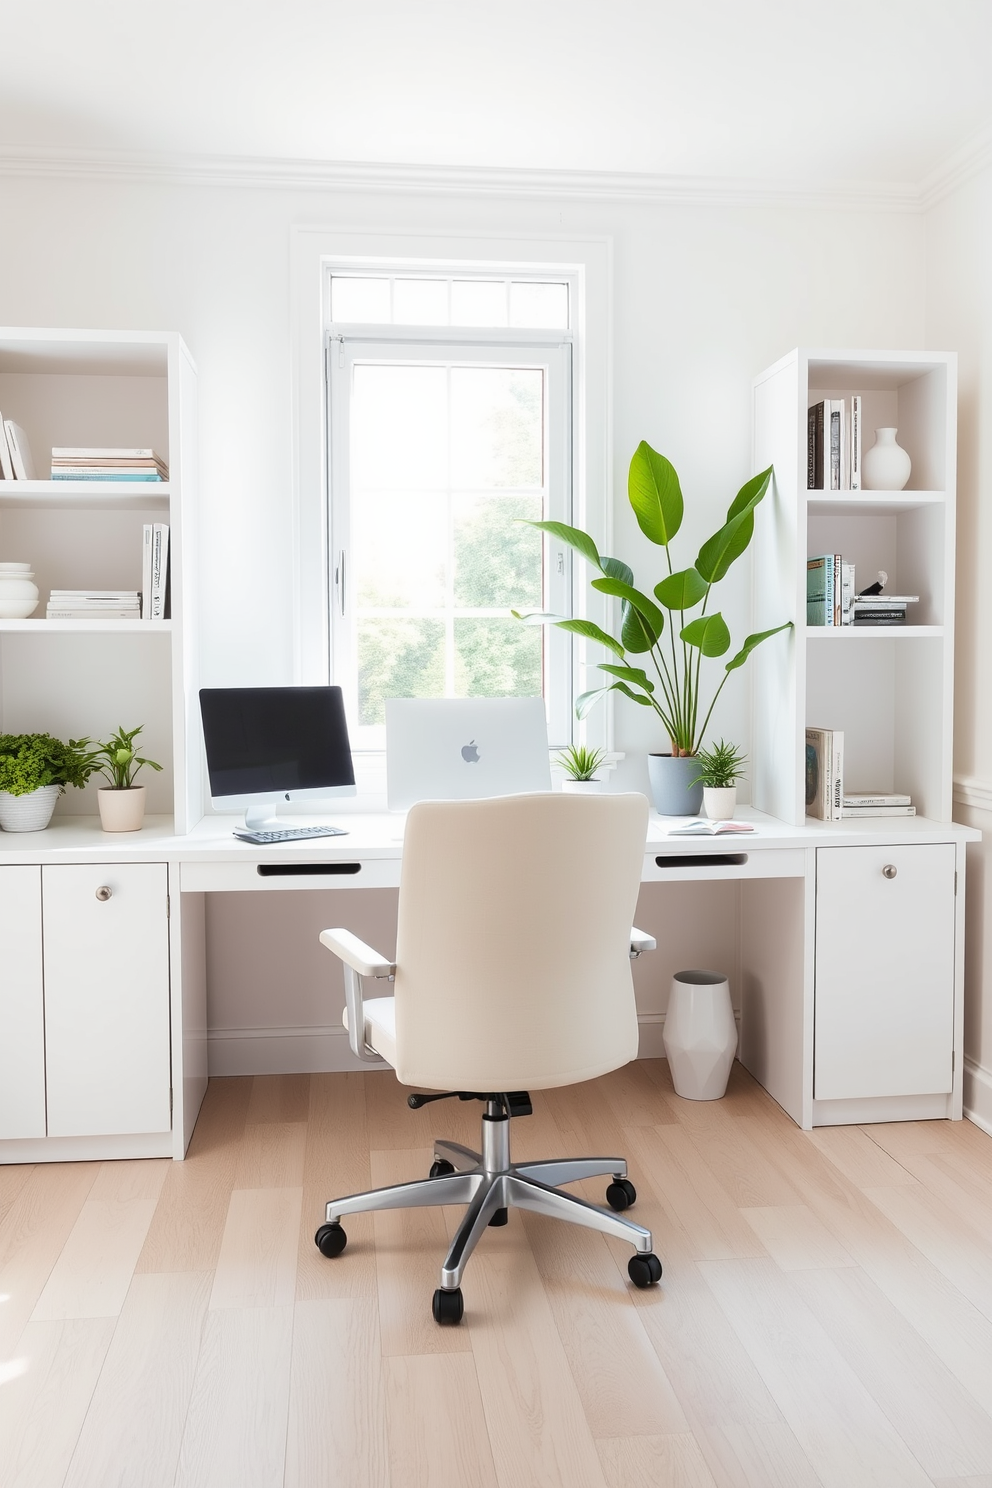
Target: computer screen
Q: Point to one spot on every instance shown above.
(270, 746)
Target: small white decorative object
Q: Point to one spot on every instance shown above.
(581, 787)
(18, 594)
(700, 1034)
(719, 802)
(28, 813)
(121, 810)
(886, 466)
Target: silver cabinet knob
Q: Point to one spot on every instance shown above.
(890, 870)
(104, 893)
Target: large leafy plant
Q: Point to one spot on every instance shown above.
(662, 628)
(30, 761)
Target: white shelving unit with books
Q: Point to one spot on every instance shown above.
(887, 688)
(78, 677)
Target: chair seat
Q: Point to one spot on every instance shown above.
(380, 1026)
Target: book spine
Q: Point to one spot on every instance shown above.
(815, 425)
(92, 614)
(6, 465)
(146, 571)
(878, 812)
(856, 442)
(836, 774)
(811, 449)
(62, 474)
(834, 445)
(847, 592)
(160, 562)
(836, 564)
(852, 800)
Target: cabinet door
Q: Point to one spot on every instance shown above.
(22, 1018)
(106, 998)
(884, 1019)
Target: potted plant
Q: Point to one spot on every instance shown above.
(121, 802)
(34, 771)
(661, 628)
(579, 764)
(720, 768)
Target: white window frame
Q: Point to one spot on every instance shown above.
(349, 345)
(314, 250)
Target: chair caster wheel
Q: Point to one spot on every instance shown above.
(440, 1166)
(621, 1194)
(500, 1217)
(330, 1240)
(448, 1307)
(644, 1270)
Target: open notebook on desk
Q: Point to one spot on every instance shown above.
(702, 827)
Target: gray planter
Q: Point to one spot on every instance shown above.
(670, 776)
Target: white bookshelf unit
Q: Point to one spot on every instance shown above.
(888, 688)
(85, 678)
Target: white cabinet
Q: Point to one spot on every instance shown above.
(85, 1031)
(22, 1017)
(884, 971)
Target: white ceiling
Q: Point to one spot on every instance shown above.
(880, 91)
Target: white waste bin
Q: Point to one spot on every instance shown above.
(700, 1034)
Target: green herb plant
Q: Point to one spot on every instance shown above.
(579, 762)
(30, 761)
(721, 767)
(662, 629)
(116, 759)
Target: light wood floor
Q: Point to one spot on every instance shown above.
(825, 1315)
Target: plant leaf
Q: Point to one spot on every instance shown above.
(592, 633)
(681, 591)
(587, 700)
(614, 568)
(751, 642)
(635, 697)
(750, 493)
(648, 619)
(655, 494)
(709, 633)
(636, 675)
(537, 617)
(574, 537)
(719, 552)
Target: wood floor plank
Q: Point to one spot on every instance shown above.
(12, 1180)
(131, 1180)
(853, 1152)
(222, 1116)
(939, 1420)
(257, 1262)
(44, 1398)
(845, 1435)
(410, 1245)
(336, 1162)
(795, 1238)
(272, 1155)
(650, 1461)
(952, 1246)
(32, 1234)
(736, 1161)
(94, 1270)
(436, 1423)
(984, 1480)
(337, 1418)
(279, 1098)
(139, 1406)
(623, 1388)
(537, 1428)
(235, 1432)
(632, 1096)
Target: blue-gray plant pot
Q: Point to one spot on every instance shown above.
(670, 776)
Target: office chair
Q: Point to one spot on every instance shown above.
(512, 974)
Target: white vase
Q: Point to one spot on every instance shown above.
(719, 802)
(18, 593)
(886, 466)
(700, 1034)
(581, 787)
(121, 810)
(28, 813)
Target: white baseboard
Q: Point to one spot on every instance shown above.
(978, 1095)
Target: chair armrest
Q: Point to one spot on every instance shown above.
(641, 941)
(356, 954)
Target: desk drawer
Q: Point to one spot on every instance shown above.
(282, 874)
(723, 862)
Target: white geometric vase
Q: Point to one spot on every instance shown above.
(700, 1034)
(886, 466)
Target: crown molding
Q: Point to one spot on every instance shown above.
(956, 169)
(446, 180)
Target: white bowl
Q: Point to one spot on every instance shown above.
(17, 609)
(16, 568)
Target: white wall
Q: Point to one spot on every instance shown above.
(704, 297)
(959, 315)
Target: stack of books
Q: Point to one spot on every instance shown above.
(833, 444)
(108, 465)
(829, 590)
(94, 604)
(877, 803)
(882, 609)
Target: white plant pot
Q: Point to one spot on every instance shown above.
(121, 810)
(582, 787)
(700, 1034)
(28, 813)
(719, 802)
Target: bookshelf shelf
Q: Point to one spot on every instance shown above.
(855, 634)
(871, 503)
(85, 627)
(86, 495)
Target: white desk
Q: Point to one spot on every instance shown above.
(865, 967)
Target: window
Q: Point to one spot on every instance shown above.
(449, 426)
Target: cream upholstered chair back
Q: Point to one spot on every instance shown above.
(512, 949)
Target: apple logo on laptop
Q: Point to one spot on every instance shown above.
(470, 753)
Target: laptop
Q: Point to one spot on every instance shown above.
(455, 749)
